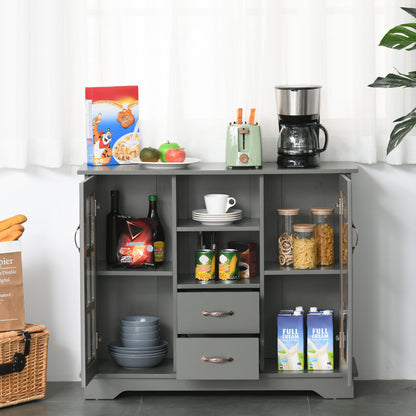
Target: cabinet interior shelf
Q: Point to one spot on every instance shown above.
(272, 269)
(246, 224)
(188, 282)
(164, 270)
(108, 369)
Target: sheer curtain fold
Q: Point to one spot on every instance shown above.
(195, 63)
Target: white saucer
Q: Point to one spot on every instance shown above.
(203, 213)
(206, 222)
(218, 218)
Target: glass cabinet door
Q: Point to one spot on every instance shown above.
(345, 254)
(88, 279)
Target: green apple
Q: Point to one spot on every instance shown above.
(163, 148)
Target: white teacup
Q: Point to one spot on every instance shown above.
(218, 203)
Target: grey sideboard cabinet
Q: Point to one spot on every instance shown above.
(249, 335)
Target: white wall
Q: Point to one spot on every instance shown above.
(49, 199)
(385, 282)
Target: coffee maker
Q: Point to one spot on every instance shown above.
(299, 126)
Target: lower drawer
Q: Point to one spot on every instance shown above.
(217, 358)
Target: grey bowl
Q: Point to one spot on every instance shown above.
(118, 347)
(139, 329)
(132, 343)
(137, 362)
(139, 320)
(141, 337)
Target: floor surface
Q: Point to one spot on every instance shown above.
(372, 398)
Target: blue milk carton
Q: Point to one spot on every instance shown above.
(290, 340)
(320, 349)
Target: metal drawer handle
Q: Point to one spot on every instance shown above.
(216, 360)
(217, 314)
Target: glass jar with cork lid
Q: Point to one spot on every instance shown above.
(286, 218)
(304, 246)
(323, 218)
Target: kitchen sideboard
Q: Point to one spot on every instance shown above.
(245, 341)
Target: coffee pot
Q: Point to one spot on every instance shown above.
(299, 126)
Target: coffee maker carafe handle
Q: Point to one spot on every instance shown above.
(320, 126)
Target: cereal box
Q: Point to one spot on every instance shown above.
(112, 125)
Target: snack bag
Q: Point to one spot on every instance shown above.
(135, 242)
(112, 125)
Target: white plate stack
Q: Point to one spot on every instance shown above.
(202, 216)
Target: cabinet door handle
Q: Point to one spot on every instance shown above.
(216, 360)
(75, 238)
(355, 230)
(217, 314)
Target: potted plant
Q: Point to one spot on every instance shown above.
(400, 37)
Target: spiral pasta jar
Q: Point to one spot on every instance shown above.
(286, 218)
(304, 246)
(323, 218)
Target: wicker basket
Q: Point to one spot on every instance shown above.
(30, 383)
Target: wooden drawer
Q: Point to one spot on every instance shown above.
(218, 313)
(217, 358)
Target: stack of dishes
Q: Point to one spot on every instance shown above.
(140, 345)
(202, 216)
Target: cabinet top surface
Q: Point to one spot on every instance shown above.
(203, 168)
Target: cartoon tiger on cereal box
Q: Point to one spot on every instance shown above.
(112, 125)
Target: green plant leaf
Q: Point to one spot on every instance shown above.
(400, 37)
(400, 130)
(410, 10)
(395, 81)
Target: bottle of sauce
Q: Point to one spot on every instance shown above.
(111, 229)
(158, 232)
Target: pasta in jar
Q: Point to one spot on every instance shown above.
(324, 234)
(304, 246)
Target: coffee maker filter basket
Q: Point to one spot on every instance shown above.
(300, 100)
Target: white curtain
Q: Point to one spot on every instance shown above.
(196, 62)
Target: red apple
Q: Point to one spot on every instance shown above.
(175, 155)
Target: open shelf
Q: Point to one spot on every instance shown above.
(246, 224)
(188, 282)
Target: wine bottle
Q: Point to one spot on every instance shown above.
(111, 229)
(158, 232)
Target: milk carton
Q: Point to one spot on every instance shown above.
(290, 340)
(320, 340)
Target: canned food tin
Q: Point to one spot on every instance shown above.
(205, 265)
(228, 264)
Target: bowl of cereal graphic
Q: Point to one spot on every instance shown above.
(127, 149)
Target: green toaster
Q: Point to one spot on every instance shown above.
(243, 149)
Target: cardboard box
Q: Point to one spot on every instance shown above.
(112, 125)
(247, 257)
(12, 309)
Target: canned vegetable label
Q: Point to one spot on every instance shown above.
(228, 264)
(205, 265)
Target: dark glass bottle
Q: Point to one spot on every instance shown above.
(112, 235)
(158, 232)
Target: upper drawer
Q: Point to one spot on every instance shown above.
(218, 312)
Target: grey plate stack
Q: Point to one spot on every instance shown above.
(140, 345)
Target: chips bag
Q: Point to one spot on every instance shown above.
(135, 242)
